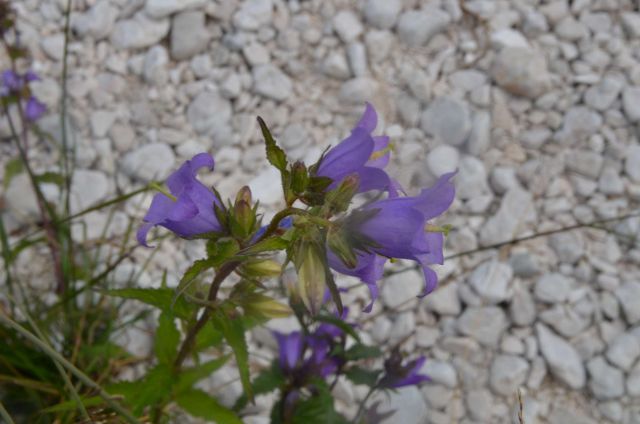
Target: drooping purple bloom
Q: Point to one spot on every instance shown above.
(291, 346)
(11, 81)
(397, 229)
(361, 153)
(191, 212)
(398, 374)
(34, 109)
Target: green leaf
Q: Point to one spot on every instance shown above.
(191, 274)
(72, 405)
(266, 245)
(13, 168)
(199, 404)
(233, 331)
(51, 178)
(275, 155)
(333, 320)
(209, 336)
(318, 409)
(190, 376)
(361, 351)
(267, 381)
(160, 298)
(362, 376)
(153, 388)
(167, 339)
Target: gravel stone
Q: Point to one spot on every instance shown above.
(508, 373)
(382, 13)
(137, 164)
(623, 351)
(97, 22)
(139, 32)
(632, 163)
(522, 308)
(521, 71)
(515, 209)
(552, 288)
(417, 27)
(606, 382)
(441, 373)
(209, 114)
(189, 35)
(347, 25)
(443, 159)
(269, 81)
(563, 359)
(492, 281)
(162, 8)
(253, 14)
(629, 297)
(631, 103)
(484, 324)
(601, 96)
(448, 120)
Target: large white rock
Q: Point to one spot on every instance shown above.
(162, 8)
(150, 162)
(138, 32)
(563, 359)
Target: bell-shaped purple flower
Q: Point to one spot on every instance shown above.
(34, 109)
(397, 228)
(191, 212)
(11, 82)
(361, 153)
(290, 346)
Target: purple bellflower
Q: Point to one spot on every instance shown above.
(13, 83)
(397, 227)
(34, 109)
(398, 374)
(362, 154)
(189, 211)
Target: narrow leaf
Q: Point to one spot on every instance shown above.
(361, 351)
(167, 339)
(201, 405)
(12, 169)
(190, 376)
(267, 381)
(51, 178)
(333, 320)
(275, 154)
(160, 298)
(191, 274)
(360, 376)
(233, 331)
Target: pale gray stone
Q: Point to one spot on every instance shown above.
(448, 120)
(606, 382)
(484, 324)
(632, 162)
(189, 36)
(624, 350)
(610, 182)
(347, 25)
(612, 410)
(209, 114)
(585, 162)
(508, 373)
(503, 178)
(492, 281)
(437, 395)
(358, 90)
(53, 46)
(269, 81)
(444, 300)
(101, 122)
(479, 404)
(579, 124)
(565, 320)
(629, 297)
(97, 22)
(151, 162)
(335, 65)
(407, 402)
(631, 103)
(601, 96)
(471, 180)
(401, 287)
(417, 27)
(139, 32)
(521, 71)
(162, 8)
(443, 159)
(357, 55)
(552, 288)
(571, 29)
(631, 23)
(515, 209)
(88, 187)
(253, 14)
(155, 65)
(441, 372)
(522, 308)
(563, 359)
(256, 54)
(507, 37)
(633, 381)
(480, 136)
(382, 13)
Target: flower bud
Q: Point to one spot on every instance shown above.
(265, 306)
(341, 246)
(299, 177)
(311, 278)
(244, 216)
(339, 199)
(262, 268)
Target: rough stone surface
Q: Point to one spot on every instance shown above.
(563, 359)
(606, 382)
(138, 164)
(448, 120)
(508, 373)
(521, 71)
(188, 34)
(269, 81)
(485, 324)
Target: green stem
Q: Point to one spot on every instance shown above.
(72, 368)
(5, 415)
(363, 404)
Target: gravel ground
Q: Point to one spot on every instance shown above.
(536, 103)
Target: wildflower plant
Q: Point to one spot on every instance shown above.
(320, 235)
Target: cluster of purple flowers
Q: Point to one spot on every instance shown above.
(14, 84)
(394, 227)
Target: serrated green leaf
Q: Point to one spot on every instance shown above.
(209, 336)
(190, 376)
(362, 376)
(317, 409)
(155, 387)
(160, 298)
(167, 339)
(71, 405)
(266, 245)
(13, 168)
(233, 331)
(191, 274)
(199, 404)
(267, 381)
(361, 351)
(275, 155)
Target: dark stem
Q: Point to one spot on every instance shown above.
(363, 404)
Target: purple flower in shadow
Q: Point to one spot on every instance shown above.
(361, 153)
(397, 228)
(398, 374)
(191, 210)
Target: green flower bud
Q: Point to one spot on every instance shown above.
(299, 177)
(262, 268)
(265, 306)
(244, 216)
(311, 278)
(339, 199)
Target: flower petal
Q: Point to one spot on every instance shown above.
(141, 235)
(186, 174)
(373, 179)
(369, 119)
(430, 280)
(435, 200)
(159, 210)
(347, 157)
(184, 208)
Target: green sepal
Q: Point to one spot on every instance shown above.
(275, 155)
(299, 178)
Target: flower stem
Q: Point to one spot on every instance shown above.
(363, 404)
